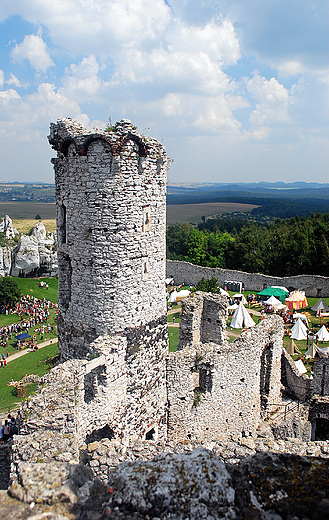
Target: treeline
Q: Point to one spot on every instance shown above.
(285, 248)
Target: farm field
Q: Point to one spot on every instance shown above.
(179, 213)
(25, 225)
(28, 210)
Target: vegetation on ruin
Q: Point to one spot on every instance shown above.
(283, 248)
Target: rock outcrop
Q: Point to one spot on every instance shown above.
(188, 486)
(34, 255)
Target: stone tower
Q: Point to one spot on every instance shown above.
(111, 220)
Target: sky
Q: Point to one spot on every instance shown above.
(237, 91)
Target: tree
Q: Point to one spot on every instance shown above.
(10, 292)
(208, 285)
(37, 217)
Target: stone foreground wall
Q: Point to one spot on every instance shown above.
(217, 389)
(186, 273)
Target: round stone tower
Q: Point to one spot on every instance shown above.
(111, 220)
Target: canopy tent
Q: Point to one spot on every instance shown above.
(310, 353)
(296, 300)
(301, 316)
(241, 318)
(322, 352)
(299, 331)
(320, 306)
(292, 348)
(182, 294)
(322, 334)
(281, 306)
(300, 367)
(272, 301)
(233, 307)
(241, 297)
(172, 297)
(21, 337)
(169, 281)
(280, 287)
(274, 291)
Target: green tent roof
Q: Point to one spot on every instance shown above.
(274, 291)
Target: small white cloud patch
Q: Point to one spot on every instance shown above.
(34, 50)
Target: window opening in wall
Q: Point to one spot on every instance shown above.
(62, 224)
(146, 219)
(145, 268)
(97, 435)
(149, 436)
(321, 432)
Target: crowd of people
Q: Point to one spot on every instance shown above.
(10, 427)
(33, 311)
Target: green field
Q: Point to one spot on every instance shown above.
(31, 363)
(28, 210)
(30, 286)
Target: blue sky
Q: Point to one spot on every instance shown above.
(237, 90)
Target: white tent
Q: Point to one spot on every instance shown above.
(320, 306)
(300, 367)
(223, 292)
(280, 287)
(298, 331)
(233, 307)
(272, 301)
(241, 318)
(240, 295)
(323, 352)
(292, 349)
(169, 281)
(172, 297)
(182, 294)
(311, 351)
(301, 316)
(281, 306)
(323, 334)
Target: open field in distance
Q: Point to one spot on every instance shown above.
(28, 210)
(179, 213)
(25, 225)
(176, 213)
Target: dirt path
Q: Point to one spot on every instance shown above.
(27, 351)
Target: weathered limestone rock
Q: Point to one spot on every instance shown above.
(26, 256)
(5, 260)
(39, 231)
(193, 486)
(50, 483)
(6, 227)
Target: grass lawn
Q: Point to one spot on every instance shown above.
(30, 286)
(171, 316)
(31, 363)
(173, 333)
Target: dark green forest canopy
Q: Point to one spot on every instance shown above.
(285, 248)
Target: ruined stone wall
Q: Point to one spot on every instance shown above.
(184, 272)
(111, 205)
(216, 389)
(298, 385)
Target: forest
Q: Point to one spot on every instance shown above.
(286, 247)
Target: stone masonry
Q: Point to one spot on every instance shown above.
(217, 389)
(111, 209)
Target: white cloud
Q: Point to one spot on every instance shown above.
(33, 49)
(273, 101)
(1, 78)
(82, 81)
(15, 81)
